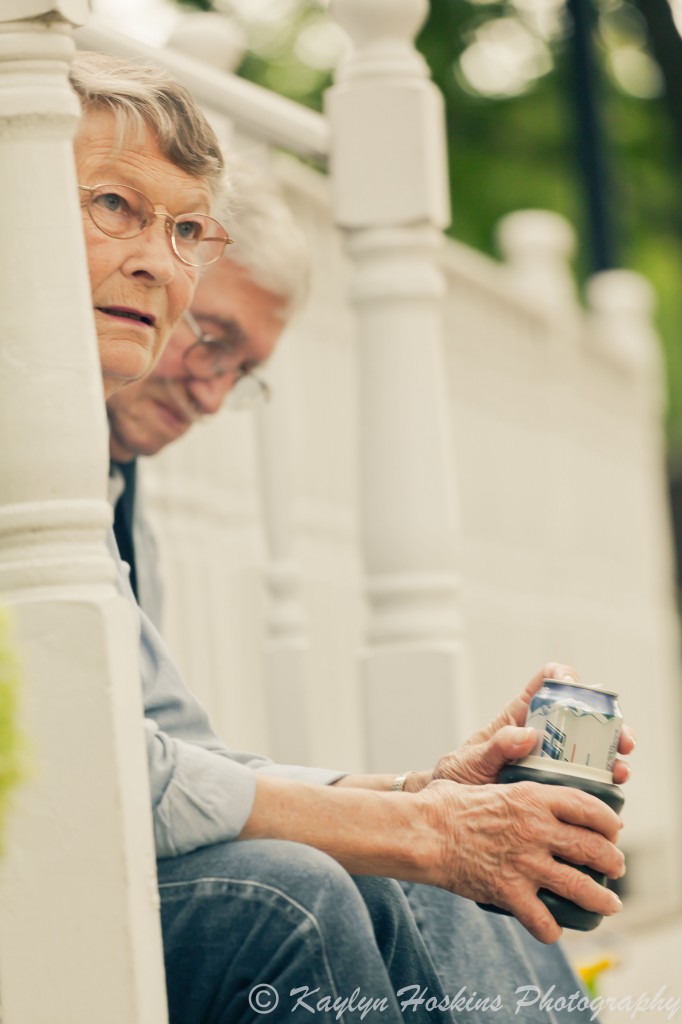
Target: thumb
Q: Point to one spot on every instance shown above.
(509, 744)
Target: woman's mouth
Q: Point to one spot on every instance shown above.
(126, 313)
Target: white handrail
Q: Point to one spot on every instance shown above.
(260, 114)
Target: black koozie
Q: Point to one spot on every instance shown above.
(565, 912)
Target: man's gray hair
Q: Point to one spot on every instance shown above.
(268, 242)
(144, 96)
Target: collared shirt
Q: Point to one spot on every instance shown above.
(201, 792)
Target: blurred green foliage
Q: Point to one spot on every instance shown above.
(10, 746)
(517, 151)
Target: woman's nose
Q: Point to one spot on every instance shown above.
(153, 254)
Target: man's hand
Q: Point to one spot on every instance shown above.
(499, 845)
(479, 760)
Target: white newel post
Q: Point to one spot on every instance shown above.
(79, 927)
(390, 194)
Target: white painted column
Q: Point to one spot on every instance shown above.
(390, 193)
(79, 928)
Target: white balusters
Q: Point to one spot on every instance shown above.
(389, 181)
(287, 644)
(210, 38)
(79, 927)
(622, 304)
(537, 246)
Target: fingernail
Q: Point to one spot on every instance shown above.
(616, 903)
(523, 736)
(569, 678)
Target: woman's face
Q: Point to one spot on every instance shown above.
(139, 286)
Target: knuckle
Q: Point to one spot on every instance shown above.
(585, 891)
(526, 793)
(557, 670)
(575, 885)
(582, 846)
(589, 847)
(574, 801)
(602, 854)
(539, 922)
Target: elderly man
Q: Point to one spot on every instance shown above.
(239, 310)
(240, 307)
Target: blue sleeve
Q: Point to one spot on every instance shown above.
(201, 792)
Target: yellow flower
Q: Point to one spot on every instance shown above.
(589, 973)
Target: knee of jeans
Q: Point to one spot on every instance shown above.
(385, 901)
(301, 871)
(291, 875)
(308, 869)
(320, 884)
(381, 893)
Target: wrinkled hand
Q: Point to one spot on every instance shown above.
(479, 760)
(498, 845)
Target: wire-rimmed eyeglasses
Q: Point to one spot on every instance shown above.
(121, 211)
(211, 357)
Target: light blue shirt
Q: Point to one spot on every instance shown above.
(201, 792)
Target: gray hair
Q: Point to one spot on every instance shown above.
(142, 95)
(268, 242)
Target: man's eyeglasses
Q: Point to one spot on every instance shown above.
(120, 211)
(215, 357)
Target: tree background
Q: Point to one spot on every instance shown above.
(505, 70)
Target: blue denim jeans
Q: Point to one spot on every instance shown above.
(264, 929)
(270, 930)
(491, 955)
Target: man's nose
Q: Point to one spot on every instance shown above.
(209, 395)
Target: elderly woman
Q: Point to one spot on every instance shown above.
(149, 166)
(296, 913)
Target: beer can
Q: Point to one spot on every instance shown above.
(576, 724)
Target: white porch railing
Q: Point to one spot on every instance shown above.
(474, 483)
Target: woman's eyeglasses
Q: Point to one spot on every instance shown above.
(120, 211)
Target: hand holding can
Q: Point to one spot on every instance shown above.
(578, 729)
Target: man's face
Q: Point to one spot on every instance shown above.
(147, 415)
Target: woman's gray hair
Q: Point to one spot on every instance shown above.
(144, 96)
(268, 242)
